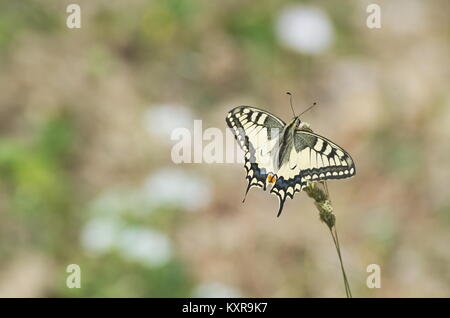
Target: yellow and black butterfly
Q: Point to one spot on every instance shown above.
(285, 155)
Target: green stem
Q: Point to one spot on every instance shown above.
(323, 204)
(334, 235)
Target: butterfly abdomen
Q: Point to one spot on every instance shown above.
(286, 144)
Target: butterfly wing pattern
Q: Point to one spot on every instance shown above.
(310, 157)
(257, 133)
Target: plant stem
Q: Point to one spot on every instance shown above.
(334, 235)
(323, 204)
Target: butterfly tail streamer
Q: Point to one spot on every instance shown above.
(281, 208)
(246, 191)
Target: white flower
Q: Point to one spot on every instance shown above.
(146, 246)
(118, 201)
(149, 247)
(304, 29)
(161, 120)
(99, 234)
(174, 186)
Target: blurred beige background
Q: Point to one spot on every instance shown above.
(86, 175)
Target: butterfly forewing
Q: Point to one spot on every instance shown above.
(312, 158)
(257, 133)
(320, 158)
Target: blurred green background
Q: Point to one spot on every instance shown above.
(86, 175)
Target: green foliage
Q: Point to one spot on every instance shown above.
(34, 169)
(18, 16)
(253, 27)
(110, 276)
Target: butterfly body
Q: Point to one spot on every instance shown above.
(287, 141)
(284, 155)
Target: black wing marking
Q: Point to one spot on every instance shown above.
(312, 158)
(289, 180)
(257, 133)
(321, 159)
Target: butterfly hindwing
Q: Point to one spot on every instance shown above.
(257, 133)
(312, 158)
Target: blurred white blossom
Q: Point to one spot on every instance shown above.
(107, 230)
(160, 120)
(144, 245)
(147, 246)
(177, 187)
(304, 29)
(216, 290)
(99, 234)
(121, 201)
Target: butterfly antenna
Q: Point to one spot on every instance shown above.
(314, 104)
(290, 100)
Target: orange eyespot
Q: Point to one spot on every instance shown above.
(271, 178)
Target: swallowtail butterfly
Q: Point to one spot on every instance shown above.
(285, 156)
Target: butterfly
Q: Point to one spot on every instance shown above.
(285, 156)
